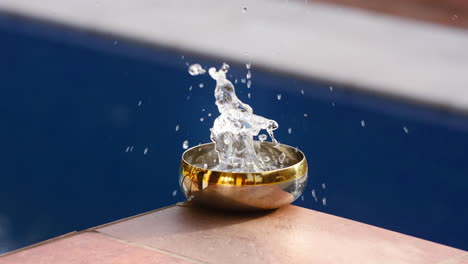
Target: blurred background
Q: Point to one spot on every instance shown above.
(96, 102)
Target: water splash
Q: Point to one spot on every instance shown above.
(234, 129)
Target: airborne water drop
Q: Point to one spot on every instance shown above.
(185, 145)
(196, 69)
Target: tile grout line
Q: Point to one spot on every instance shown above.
(74, 233)
(129, 218)
(148, 247)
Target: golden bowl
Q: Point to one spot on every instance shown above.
(242, 191)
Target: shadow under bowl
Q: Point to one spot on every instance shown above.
(243, 191)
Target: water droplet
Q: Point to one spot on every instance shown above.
(324, 201)
(131, 148)
(139, 103)
(203, 110)
(196, 69)
(331, 88)
(278, 96)
(302, 197)
(314, 195)
(333, 104)
(363, 124)
(247, 65)
(201, 119)
(174, 193)
(209, 114)
(454, 17)
(188, 97)
(305, 115)
(289, 131)
(248, 75)
(205, 166)
(145, 151)
(248, 95)
(244, 9)
(235, 80)
(281, 158)
(242, 80)
(116, 42)
(190, 88)
(182, 57)
(262, 137)
(201, 85)
(127, 149)
(185, 145)
(177, 128)
(406, 130)
(324, 186)
(302, 91)
(249, 84)
(266, 159)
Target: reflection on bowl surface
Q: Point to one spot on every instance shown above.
(242, 191)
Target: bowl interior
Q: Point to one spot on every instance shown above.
(204, 156)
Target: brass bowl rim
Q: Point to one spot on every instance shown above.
(303, 159)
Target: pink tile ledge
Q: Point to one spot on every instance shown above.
(288, 235)
(184, 234)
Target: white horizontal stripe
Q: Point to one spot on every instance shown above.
(381, 54)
